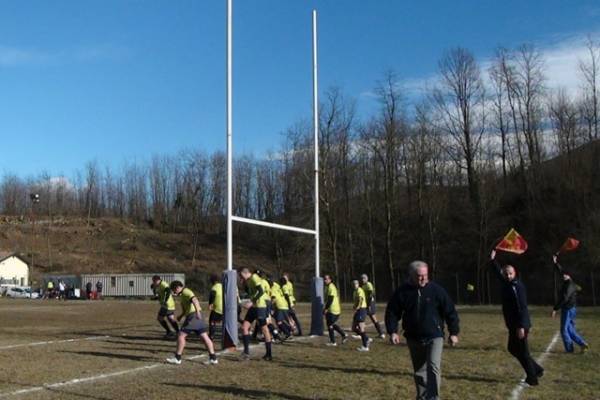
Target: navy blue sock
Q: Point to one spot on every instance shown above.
(246, 339)
(365, 339)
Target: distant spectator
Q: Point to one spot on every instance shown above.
(98, 290)
(88, 290)
(61, 290)
(49, 289)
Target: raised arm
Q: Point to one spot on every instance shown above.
(495, 266)
(557, 265)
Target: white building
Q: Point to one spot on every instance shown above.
(13, 270)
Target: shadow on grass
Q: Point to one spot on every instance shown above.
(113, 356)
(348, 370)
(63, 392)
(472, 378)
(165, 344)
(104, 331)
(477, 348)
(235, 391)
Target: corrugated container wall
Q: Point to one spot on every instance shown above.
(124, 285)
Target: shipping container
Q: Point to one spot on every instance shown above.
(127, 285)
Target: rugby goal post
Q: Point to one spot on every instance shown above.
(230, 289)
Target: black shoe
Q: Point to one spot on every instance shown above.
(540, 373)
(267, 358)
(531, 381)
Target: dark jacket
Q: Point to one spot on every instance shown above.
(514, 300)
(567, 297)
(422, 310)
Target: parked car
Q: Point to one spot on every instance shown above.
(21, 293)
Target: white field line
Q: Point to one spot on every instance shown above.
(14, 346)
(516, 393)
(94, 378)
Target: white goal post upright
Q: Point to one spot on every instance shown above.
(230, 289)
(230, 331)
(316, 326)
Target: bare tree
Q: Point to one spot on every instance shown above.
(460, 102)
(590, 70)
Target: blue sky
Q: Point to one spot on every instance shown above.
(119, 80)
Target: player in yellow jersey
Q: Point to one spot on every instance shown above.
(193, 324)
(332, 311)
(369, 290)
(360, 314)
(257, 311)
(215, 305)
(280, 310)
(167, 306)
(288, 291)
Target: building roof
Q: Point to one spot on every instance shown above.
(7, 254)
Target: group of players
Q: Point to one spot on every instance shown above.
(270, 306)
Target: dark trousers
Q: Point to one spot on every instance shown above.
(519, 348)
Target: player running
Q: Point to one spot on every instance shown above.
(257, 311)
(288, 292)
(193, 324)
(360, 314)
(167, 307)
(281, 310)
(369, 290)
(332, 311)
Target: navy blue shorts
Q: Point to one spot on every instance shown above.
(281, 315)
(372, 310)
(360, 315)
(215, 317)
(193, 325)
(269, 307)
(331, 318)
(164, 312)
(256, 313)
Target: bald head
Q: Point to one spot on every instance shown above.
(509, 272)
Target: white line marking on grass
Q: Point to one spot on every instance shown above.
(14, 346)
(114, 374)
(516, 393)
(78, 380)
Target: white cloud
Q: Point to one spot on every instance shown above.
(561, 67)
(11, 56)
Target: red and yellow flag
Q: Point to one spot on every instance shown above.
(569, 245)
(513, 242)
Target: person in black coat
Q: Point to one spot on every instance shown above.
(516, 318)
(423, 307)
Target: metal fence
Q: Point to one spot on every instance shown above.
(127, 285)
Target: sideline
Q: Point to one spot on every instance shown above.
(14, 346)
(516, 393)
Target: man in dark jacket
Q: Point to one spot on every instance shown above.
(423, 307)
(567, 300)
(516, 318)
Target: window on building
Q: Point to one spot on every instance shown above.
(130, 283)
(113, 281)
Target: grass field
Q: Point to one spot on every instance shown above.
(113, 350)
